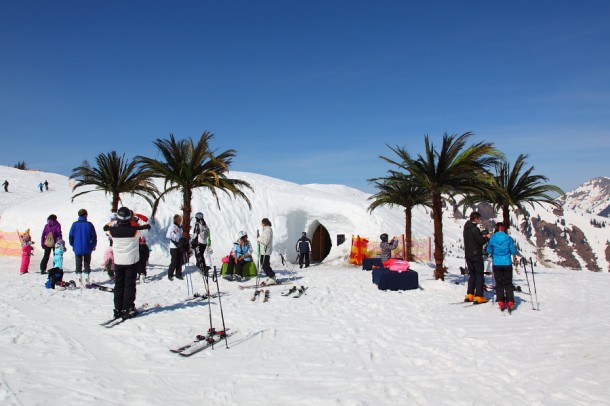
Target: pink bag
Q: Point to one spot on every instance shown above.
(225, 260)
(397, 265)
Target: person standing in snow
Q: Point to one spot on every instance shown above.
(58, 257)
(51, 233)
(143, 261)
(174, 234)
(46, 185)
(40, 186)
(83, 239)
(26, 252)
(5, 185)
(125, 236)
(266, 247)
(201, 242)
(502, 248)
(241, 253)
(387, 247)
(303, 249)
(474, 241)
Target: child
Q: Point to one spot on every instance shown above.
(141, 264)
(58, 258)
(26, 252)
(109, 260)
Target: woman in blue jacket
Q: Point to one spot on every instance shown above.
(502, 248)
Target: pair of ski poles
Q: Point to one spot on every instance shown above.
(524, 262)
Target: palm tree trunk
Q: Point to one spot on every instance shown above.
(506, 216)
(115, 202)
(437, 216)
(408, 234)
(186, 211)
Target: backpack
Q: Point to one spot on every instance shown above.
(49, 241)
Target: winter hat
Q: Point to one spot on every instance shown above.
(123, 214)
(384, 237)
(199, 215)
(60, 244)
(241, 235)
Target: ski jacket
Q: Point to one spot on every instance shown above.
(58, 258)
(245, 251)
(126, 242)
(501, 247)
(54, 227)
(303, 245)
(386, 249)
(266, 240)
(82, 236)
(473, 240)
(26, 249)
(202, 231)
(174, 233)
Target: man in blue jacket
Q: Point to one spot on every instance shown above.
(83, 240)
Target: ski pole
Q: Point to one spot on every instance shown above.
(524, 261)
(211, 331)
(222, 317)
(534, 282)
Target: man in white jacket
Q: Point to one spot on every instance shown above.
(266, 246)
(125, 241)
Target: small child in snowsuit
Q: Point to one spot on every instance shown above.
(144, 252)
(58, 258)
(26, 252)
(109, 260)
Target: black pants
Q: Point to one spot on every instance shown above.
(267, 266)
(476, 279)
(125, 286)
(81, 260)
(505, 291)
(236, 268)
(175, 264)
(199, 257)
(304, 256)
(45, 257)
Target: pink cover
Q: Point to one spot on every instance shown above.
(397, 265)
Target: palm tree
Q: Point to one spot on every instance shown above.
(517, 186)
(114, 175)
(399, 189)
(188, 166)
(455, 168)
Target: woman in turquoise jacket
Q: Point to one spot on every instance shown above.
(502, 248)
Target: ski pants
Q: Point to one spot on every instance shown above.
(304, 256)
(45, 257)
(25, 263)
(175, 265)
(125, 286)
(233, 267)
(267, 266)
(505, 291)
(199, 257)
(81, 260)
(476, 270)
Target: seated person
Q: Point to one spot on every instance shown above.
(241, 253)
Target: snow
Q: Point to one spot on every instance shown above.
(343, 343)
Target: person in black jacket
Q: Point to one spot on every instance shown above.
(303, 248)
(474, 240)
(125, 241)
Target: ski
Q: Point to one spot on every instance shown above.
(264, 285)
(300, 292)
(99, 287)
(144, 309)
(290, 291)
(267, 294)
(202, 342)
(256, 295)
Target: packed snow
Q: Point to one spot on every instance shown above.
(342, 343)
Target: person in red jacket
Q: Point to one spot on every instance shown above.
(125, 242)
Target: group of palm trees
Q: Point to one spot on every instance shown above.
(474, 173)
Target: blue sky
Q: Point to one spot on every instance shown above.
(307, 91)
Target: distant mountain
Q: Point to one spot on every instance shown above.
(592, 197)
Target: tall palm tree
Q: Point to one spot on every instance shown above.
(455, 168)
(399, 189)
(187, 166)
(114, 175)
(517, 186)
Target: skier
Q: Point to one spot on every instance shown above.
(501, 247)
(125, 237)
(5, 185)
(46, 185)
(303, 249)
(387, 247)
(240, 254)
(174, 234)
(474, 241)
(40, 186)
(26, 252)
(51, 233)
(83, 239)
(266, 240)
(201, 242)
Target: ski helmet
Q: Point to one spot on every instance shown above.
(199, 215)
(383, 237)
(123, 214)
(242, 234)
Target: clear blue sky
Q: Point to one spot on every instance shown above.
(307, 91)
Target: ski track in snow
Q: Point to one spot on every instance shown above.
(342, 343)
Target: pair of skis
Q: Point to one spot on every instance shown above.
(299, 292)
(260, 292)
(142, 310)
(99, 287)
(202, 341)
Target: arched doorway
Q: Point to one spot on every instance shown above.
(320, 244)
